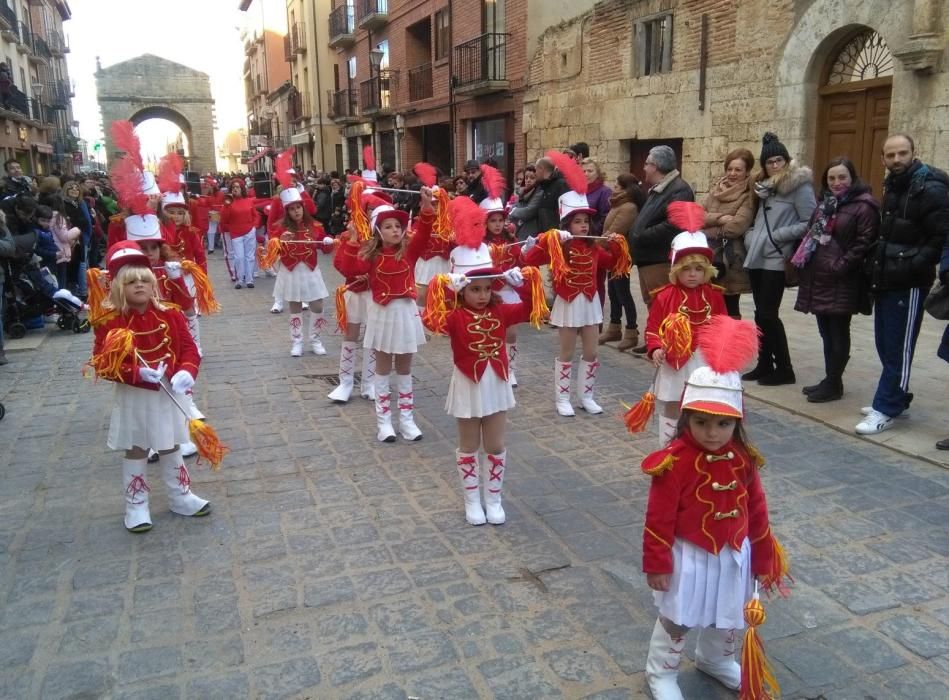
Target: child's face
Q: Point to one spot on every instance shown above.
(580, 224)
(692, 275)
(176, 214)
(711, 432)
(44, 223)
(390, 230)
(295, 212)
(152, 250)
(477, 295)
(138, 293)
(495, 224)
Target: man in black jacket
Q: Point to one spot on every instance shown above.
(552, 186)
(913, 231)
(476, 188)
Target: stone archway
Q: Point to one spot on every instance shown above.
(150, 87)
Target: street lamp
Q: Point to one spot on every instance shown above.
(375, 62)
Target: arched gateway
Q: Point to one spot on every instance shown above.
(149, 87)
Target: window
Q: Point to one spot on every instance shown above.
(442, 34)
(653, 45)
(383, 46)
(492, 16)
(351, 70)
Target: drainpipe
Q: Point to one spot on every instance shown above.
(319, 89)
(451, 86)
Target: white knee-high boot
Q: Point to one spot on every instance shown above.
(384, 431)
(662, 664)
(467, 465)
(194, 328)
(181, 499)
(347, 366)
(296, 335)
(494, 465)
(367, 384)
(316, 327)
(562, 387)
(137, 516)
(512, 362)
(715, 655)
(667, 430)
(586, 378)
(407, 426)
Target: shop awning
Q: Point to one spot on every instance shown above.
(43, 148)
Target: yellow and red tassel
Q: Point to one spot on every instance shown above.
(442, 224)
(558, 261)
(637, 417)
(497, 253)
(117, 349)
(780, 570)
(341, 320)
(539, 308)
(675, 335)
(624, 261)
(208, 443)
(758, 681)
(97, 284)
(435, 315)
(357, 214)
(206, 302)
(269, 257)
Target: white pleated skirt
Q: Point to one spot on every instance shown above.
(145, 418)
(300, 284)
(509, 295)
(395, 328)
(468, 399)
(577, 313)
(670, 383)
(356, 306)
(706, 589)
(425, 270)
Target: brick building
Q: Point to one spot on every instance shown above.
(434, 80)
(705, 76)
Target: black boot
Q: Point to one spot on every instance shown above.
(830, 390)
(760, 370)
(811, 388)
(782, 375)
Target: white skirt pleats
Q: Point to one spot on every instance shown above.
(468, 399)
(145, 418)
(577, 313)
(300, 284)
(395, 328)
(670, 383)
(356, 305)
(425, 270)
(706, 589)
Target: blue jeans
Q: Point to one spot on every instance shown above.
(897, 318)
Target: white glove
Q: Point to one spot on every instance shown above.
(514, 277)
(328, 240)
(152, 376)
(182, 381)
(457, 281)
(173, 269)
(565, 236)
(529, 243)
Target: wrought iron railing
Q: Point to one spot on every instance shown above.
(372, 7)
(342, 20)
(298, 107)
(482, 59)
(420, 82)
(376, 92)
(345, 104)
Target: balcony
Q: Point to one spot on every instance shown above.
(23, 36)
(481, 65)
(58, 44)
(373, 14)
(376, 93)
(287, 50)
(246, 67)
(343, 107)
(298, 107)
(297, 34)
(342, 26)
(420, 82)
(37, 111)
(57, 94)
(7, 16)
(41, 52)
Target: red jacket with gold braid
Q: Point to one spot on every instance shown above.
(173, 291)
(699, 304)
(713, 500)
(584, 257)
(161, 335)
(510, 256)
(115, 233)
(389, 277)
(187, 242)
(477, 337)
(437, 248)
(295, 253)
(201, 208)
(355, 283)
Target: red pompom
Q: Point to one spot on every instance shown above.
(282, 166)
(369, 158)
(571, 171)
(426, 173)
(467, 221)
(493, 181)
(125, 138)
(170, 168)
(688, 216)
(727, 344)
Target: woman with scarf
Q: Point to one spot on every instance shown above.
(830, 259)
(76, 211)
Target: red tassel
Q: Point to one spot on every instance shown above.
(637, 417)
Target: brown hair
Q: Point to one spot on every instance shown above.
(289, 224)
(739, 436)
(742, 154)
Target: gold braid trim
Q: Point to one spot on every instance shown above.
(663, 466)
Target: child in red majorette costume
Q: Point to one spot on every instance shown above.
(707, 533)
(393, 323)
(299, 279)
(678, 311)
(206, 210)
(480, 391)
(435, 258)
(143, 414)
(574, 265)
(130, 180)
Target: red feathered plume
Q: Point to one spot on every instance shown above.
(493, 181)
(467, 221)
(282, 165)
(571, 171)
(688, 216)
(728, 345)
(369, 158)
(170, 168)
(371, 201)
(426, 173)
(125, 138)
(127, 182)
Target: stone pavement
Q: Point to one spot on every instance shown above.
(336, 567)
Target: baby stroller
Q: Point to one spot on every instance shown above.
(28, 293)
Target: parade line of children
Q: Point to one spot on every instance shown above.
(707, 534)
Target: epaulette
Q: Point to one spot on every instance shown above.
(117, 218)
(717, 287)
(661, 461)
(655, 292)
(102, 319)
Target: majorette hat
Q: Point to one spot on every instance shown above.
(492, 205)
(387, 211)
(124, 253)
(689, 244)
(173, 199)
(707, 391)
(369, 160)
(289, 195)
(571, 203)
(690, 218)
(149, 184)
(140, 228)
(471, 256)
(574, 201)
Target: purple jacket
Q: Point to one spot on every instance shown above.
(599, 199)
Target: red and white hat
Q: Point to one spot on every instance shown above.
(124, 253)
(687, 243)
(142, 228)
(386, 211)
(708, 391)
(571, 203)
(492, 205)
(173, 199)
(149, 184)
(470, 261)
(289, 195)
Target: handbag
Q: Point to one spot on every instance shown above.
(791, 274)
(720, 260)
(937, 302)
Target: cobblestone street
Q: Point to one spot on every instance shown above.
(334, 566)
